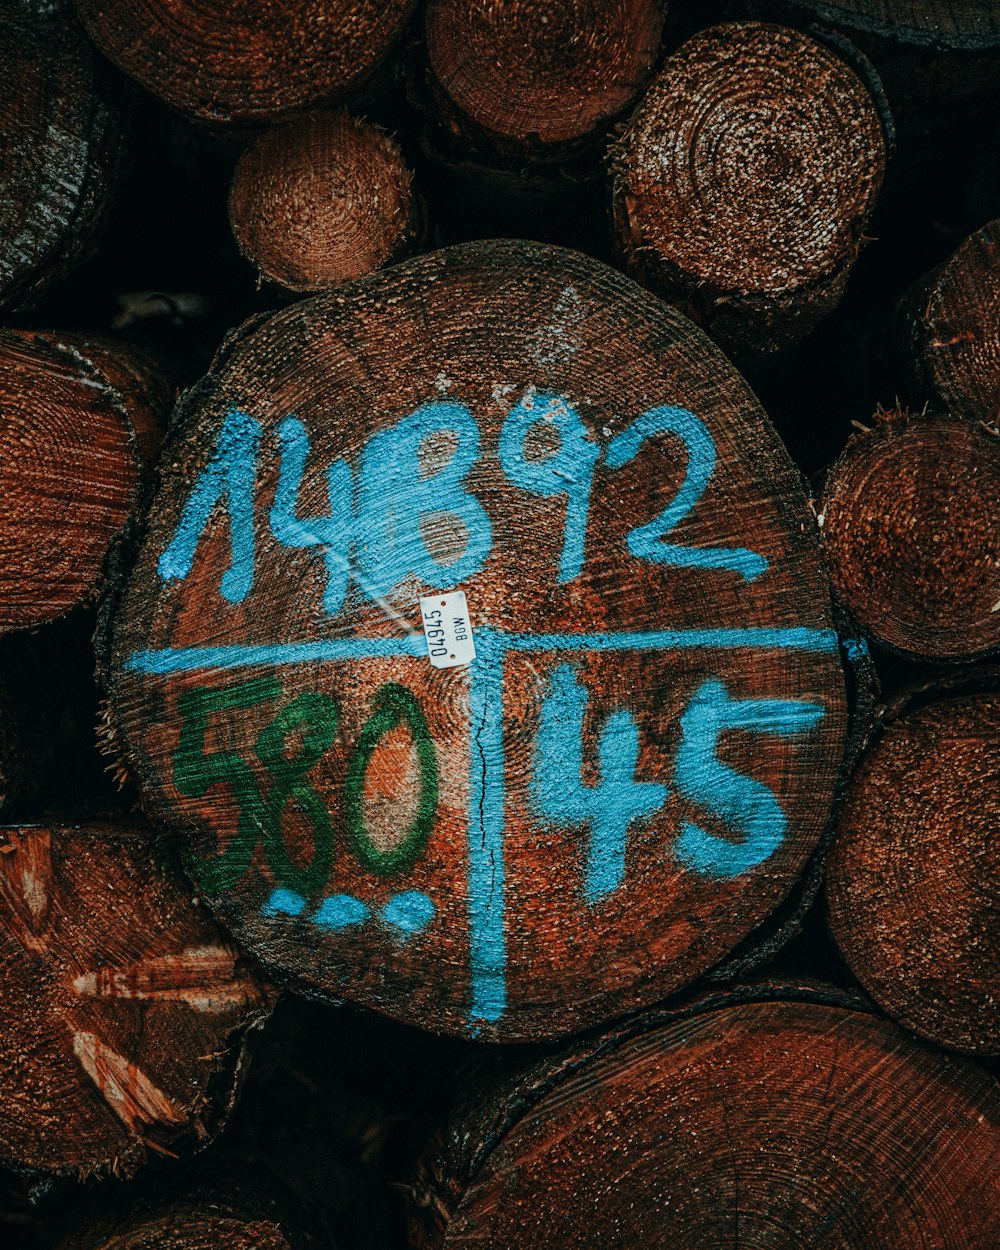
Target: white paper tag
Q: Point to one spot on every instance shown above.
(448, 629)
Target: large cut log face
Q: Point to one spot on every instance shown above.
(631, 772)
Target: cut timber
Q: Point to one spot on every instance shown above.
(966, 24)
(630, 774)
(909, 520)
(121, 999)
(949, 330)
(78, 426)
(214, 1203)
(320, 200)
(247, 63)
(913, 871)
(744, 181)
(58, 147)
(534, 79)
(771, 1124)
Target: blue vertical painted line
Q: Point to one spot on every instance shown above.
(486, 823)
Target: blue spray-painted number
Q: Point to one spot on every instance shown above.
(395, 501)
(611, 807)
(228, 475)
(567, 471)
(375, 530)
(332, 534)
(648, 542)
(741, 802)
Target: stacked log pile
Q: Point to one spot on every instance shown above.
(498, 544)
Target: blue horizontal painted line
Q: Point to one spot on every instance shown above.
(760, 639)
(187, 659)
(269, 655)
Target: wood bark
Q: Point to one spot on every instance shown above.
(908, 516)
(744, 181)
(79, 428)
(226, 65)
(778, 1117)
(954, 24)
(535, 81)
(946, 331)
(60, 146)
(321, 200)
(912, 872)
(124, 1007)
(635, 767)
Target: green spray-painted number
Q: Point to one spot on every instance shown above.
(394, 704)
(195, 772)
(316, 715)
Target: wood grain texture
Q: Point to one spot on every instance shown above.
(909, 526)
(246, 64)
(60, 148)
(633, 771)
(534, 78)
(743, 182)
(913, 870)
(947, 331)
(79, 428)
(123, 1004)
(322, 199)
(765, 1124)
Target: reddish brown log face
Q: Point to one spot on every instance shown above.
(120, 999)
(950, 328)
(321, 200)
(196, 1230)
(913, 872)
(77, 421)
(630, 773)
(205, 1221)
(909, 523)
(245, 63)
(744, 181)
(941, 23)
(530, 74)
(772, 1126)
(57, 140)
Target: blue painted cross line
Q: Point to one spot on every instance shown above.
(702, 779)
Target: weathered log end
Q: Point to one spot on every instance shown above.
(79, 427)
(60, 148)
(322, 199)
(908, 516)
(946, 330)
(246, 64)
(912, 873)
(763, 1123)
(123, 1004)
(568, 788)
(538, 79)
(744, 181)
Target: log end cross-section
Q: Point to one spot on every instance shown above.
(565, 789)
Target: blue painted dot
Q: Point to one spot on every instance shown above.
(341, 910)
(284, 903)
(409, 912)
